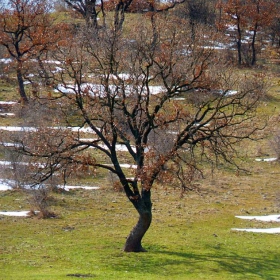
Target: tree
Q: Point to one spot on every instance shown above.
(26, 31)
(197, 12)
(124, 91)
(201, 11)
(262, 13)
(90, 9)
(249, 18)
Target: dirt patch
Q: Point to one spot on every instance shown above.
(81, 275)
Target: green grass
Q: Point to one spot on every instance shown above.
(190, 237)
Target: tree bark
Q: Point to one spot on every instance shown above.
(91, 14)
(120, 9)
(144, 208)
(254, 55)
(21, 86)
(239, 38)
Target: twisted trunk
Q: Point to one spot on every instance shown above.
(144, 207)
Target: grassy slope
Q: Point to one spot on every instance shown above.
(190, 237)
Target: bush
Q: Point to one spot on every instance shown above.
(275, 144)
(40, 200)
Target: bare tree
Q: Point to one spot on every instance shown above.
(125, 91)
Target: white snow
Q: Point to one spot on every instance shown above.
(4, 186)
(218, 46)
(266, 159)
(7, 185)
(4, 162)
(17, 128)
(79, 129)
(231, 27)
(122, 76)
(52, 61)
(57, 69)
(119, 148)
(67, 188)
(231, 92)
(98, 90)
(6, 60)
(268, 218)
(259, 230)
(7, 114)
(17, 213)
(7, 102)
(30, 129)
(6, 144)
(125, 165)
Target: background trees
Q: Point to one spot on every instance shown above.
(201, 11)
(26, 32)
(89, 9)
(249, 19)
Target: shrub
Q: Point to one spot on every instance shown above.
(40, 200)
(275, 144)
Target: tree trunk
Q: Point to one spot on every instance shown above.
(144, 208)
(21, 86)
(91, 14)
(254, 55)
(120, 9)
(239, 38)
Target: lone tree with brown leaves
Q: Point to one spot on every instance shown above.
(159, 95)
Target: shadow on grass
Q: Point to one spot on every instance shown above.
(172, 264)
(267, 267)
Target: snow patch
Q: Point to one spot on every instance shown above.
(258, 230)
(6, 60)
(98, 90)
(17, 128)
(67, 188)
(268, 218)
(8, 102)
(125, 165)
(17, 213)
(266, 159)
(179, 98)
(4, 186)
(7, 114)
(30, 129)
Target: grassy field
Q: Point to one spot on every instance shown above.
(190, 237)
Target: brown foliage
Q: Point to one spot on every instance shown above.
(27, 32)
